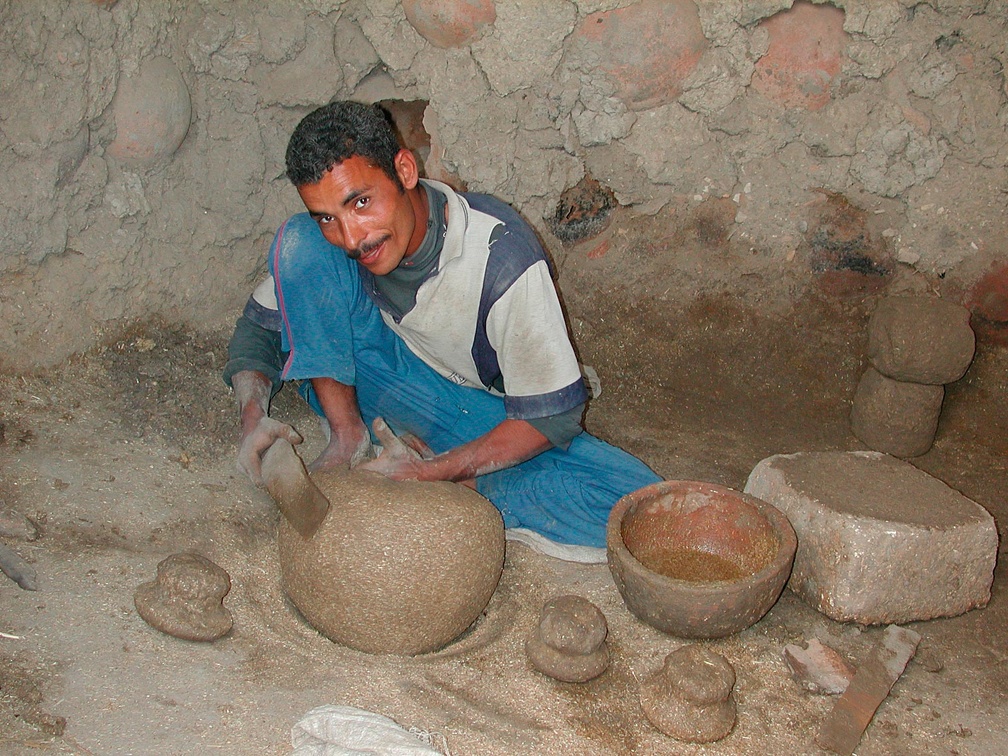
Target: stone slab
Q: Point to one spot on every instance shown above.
(879, 541)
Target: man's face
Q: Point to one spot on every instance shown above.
(365, 213)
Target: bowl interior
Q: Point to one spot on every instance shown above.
(699, 533)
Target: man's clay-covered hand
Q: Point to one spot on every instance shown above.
(341, 452)
(397, 460)
(254, 444)
(258, 429)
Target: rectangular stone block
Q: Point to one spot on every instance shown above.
(879, 541)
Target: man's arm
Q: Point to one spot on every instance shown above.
(253, 368)
(349, 440)
(507, 444)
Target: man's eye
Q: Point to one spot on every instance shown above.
(361, 202)
(323, 219)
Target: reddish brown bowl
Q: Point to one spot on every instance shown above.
(698, 560)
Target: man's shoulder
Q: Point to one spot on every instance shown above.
(495, 208)
(511, 237)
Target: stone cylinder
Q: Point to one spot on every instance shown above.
(896, 417)
(921, 339)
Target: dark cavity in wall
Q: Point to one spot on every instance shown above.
(407, 116)
(582, 211)
(843, 252)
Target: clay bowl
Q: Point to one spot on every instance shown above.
(698, 560)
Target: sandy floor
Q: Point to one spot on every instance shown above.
(126, 456)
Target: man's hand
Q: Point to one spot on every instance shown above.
(401, 458)
(341, 452)
(254, 443)
(258, 429)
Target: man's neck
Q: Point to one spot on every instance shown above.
(421, 214)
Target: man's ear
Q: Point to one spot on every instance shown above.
(407, 168)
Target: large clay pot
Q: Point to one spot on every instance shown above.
(394, 567)
(698, 560)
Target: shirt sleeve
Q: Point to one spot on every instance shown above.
(255, 342)
(560, 429)
(527, 330)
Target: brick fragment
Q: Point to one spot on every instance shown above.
(842, 729)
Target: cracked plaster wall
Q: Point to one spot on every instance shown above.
(908, 118)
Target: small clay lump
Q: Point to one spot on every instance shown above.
(186, 599)
(690, 697)
(569, 643)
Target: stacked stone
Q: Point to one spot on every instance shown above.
(915, 345)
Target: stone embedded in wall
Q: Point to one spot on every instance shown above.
(647, 49)
(354, 51)
(896, 417)
(988, 303)
(310, 79)
(152, 113)
(921, 339)
(450, 23)
(525, 45)
(805, 55)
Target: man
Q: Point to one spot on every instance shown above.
(432, 315)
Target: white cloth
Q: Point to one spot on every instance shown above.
(347, 731)
(563, 551)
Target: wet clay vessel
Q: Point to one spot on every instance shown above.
(698, 560)
(382, 566)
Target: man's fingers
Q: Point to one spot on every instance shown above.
(417, 444)
(291, 435)
(386, 437)
(255, 444)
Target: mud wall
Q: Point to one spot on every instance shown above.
(143, 141)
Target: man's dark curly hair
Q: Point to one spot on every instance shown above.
(329, 135)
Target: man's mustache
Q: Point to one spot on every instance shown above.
(367, 248)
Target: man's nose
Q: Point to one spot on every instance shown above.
(353, 233)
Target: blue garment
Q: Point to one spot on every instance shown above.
(332, 329)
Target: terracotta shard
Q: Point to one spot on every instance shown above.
(842, 729)
(818, 667)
